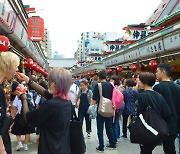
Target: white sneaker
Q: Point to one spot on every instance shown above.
(19, 147)
(25, 147)
(88, 135)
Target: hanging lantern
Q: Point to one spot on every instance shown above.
(133, 67)
(38, 68)
(28, 63)
(119, 69)
(45, 74)
(153, 64)
(34, 66)
(109, 70)
(4, 43)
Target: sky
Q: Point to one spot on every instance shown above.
(67, 19)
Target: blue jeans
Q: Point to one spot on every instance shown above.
(109, 130)
(116, 127)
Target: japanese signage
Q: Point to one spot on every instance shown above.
(35, 29)
(172, 42)
(134, 35)
(151, 49)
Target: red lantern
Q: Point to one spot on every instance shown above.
(4, 43)
(28, 63)
(45, 74)
(38, 68)
(153, 64)
(109, 70)
(34, 66)
(133, 67)
(119, 69)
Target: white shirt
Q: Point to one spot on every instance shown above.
(38, 98)
(73, 92)
(17, 103)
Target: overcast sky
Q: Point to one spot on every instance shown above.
(67, 19)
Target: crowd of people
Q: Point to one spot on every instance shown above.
(45, 106)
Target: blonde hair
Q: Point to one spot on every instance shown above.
(63, 81)
(8, 61)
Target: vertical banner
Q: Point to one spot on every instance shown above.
(35, 29)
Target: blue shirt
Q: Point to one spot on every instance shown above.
(130, 97)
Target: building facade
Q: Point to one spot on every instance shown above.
(91, 47)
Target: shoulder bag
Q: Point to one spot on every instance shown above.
(149, 128)
(77, 143)
(105, 107)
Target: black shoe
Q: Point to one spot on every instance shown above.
(111, 147)
(100, 149)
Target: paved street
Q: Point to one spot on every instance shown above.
(123, 147)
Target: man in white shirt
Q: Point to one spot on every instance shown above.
(73, 92)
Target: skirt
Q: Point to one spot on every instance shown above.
(19, 129)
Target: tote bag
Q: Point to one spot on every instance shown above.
(105, 107)
(149, 128)
(77, 142)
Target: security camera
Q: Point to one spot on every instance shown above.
(147, 28)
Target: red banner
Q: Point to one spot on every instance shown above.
(35, 29)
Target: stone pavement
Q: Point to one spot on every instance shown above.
(123, 147)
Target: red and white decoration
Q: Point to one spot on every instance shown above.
(119, 69)
(153, 64)
(133, 67)
(4, 43)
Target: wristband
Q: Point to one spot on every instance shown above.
(30, 82)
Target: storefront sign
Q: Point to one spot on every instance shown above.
(35, 29)
(151, 49)
(172, 42)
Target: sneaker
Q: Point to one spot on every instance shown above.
(100, 150)
(25, 147)
(88, 135)
(19, 147)
(111, 147)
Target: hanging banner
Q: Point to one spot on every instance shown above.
(35, 29)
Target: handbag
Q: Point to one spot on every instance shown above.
(105, 107)
(77, 142)
(149, 128)
(7, 122)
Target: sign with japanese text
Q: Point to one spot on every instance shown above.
(172, 42)
(134, 35)
(35, 29)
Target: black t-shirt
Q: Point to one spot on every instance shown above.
(156, 102)
(171, 92)
(3, 106)
(107, 90)
(53, 118)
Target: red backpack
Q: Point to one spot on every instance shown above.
(117, 98)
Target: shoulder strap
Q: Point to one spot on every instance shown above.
(100, 89)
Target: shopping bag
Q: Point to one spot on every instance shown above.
(77, 142)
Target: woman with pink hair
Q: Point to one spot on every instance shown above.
(53, 117)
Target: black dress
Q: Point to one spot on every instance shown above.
(53, 118)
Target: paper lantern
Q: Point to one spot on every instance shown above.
(34, 66)
(109, 70)
(28, 63)
(45, 74)
(4, 43)
(153, 64)
(119, 69)
(133, 67)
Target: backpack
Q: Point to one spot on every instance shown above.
(117, 98)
